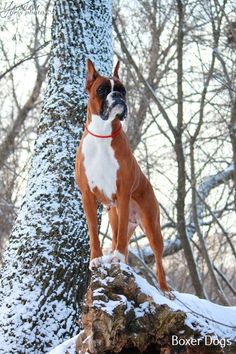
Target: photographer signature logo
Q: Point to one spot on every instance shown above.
(10, 9)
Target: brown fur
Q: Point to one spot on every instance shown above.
(134, 200)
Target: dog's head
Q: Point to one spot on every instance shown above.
(107, 95)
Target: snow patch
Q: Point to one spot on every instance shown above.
(211, 318)
(68, 347)
(119, 256)
(202, 315)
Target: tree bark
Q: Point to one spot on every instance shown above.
(123, 314)
(46, 265)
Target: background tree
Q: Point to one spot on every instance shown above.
(189, 107)
(46, 265)
(24, 49)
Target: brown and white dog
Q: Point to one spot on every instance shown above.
(107, 172)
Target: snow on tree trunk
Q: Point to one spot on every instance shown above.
(45, 272)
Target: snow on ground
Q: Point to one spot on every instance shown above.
(67, 347)
(210, 317)
(202, 315)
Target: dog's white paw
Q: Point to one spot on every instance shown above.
(118, 257)
(95, 262)
(169, 294)
(107, 258)
(115, 257)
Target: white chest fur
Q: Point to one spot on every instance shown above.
(100, 163)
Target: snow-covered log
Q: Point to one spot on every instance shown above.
(45, 273)
(124, 314)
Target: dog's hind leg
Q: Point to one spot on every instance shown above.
(150, 223)
(153, 232)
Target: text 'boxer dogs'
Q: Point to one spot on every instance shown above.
(107, 172)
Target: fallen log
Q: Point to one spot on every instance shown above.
(122, 313)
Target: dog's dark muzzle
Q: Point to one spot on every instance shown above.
(118, 101)
(122, 104)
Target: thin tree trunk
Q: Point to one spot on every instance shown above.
(135, 123)
(46, 265)
(181, 189)
(217, 286)
(8, 143)
(232, 130)
(205, 187)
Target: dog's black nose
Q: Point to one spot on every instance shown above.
(116, 94)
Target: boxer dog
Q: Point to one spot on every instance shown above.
(108, 173)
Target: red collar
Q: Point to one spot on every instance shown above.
(113, 135)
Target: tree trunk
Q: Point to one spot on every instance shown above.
(205, 187)
(46, 265)
(8, 144)
(181, 187)
(232, 130)
(124, 314)
(203, 248)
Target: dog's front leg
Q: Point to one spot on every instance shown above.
(90, 209)
(121, 249)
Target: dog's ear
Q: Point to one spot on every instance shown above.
(116, 70)
(92, 74)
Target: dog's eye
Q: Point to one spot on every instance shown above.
(103, 91)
